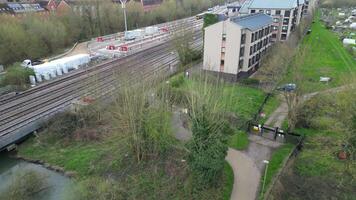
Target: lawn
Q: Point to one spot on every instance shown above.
(324, 56)
(241, 100)
(239, 140)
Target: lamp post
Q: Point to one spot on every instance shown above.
(123, 6)
(264, 178)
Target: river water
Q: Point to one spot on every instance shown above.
(59, 185)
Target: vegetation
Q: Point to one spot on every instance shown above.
(336, 63)
(275, 164)
(37, 36)
(228, 182)
(239, 141)
(328, 122)
(126, 149)
(17, 75)
(337, 3)
(210, 19)
(25, 185)
(210, 130)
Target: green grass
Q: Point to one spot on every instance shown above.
(76, 156)
(242, 100)
(275, 163)
(324, 56)
(271, 105)
(229, 181)
(239, 141)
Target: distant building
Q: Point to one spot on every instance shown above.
(234, 47)
(286, 14)
(149, 5)
(20, 8)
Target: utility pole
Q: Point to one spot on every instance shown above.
(123, 6)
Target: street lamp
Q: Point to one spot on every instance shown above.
(264, 179)
(123, 6)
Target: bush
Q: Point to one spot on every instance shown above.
(208, 148)
(178, 81)
(17, 75)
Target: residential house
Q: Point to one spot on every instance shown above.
(234, 47)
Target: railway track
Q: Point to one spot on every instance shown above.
(32, 107)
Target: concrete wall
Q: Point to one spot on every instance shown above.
(212, 47)
(233, 43)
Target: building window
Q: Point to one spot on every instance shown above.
(241, 63)
(284, 37)
(243, 38)
(242, 51)
(287, 13)
(285, 21)
(253, 59)
(278, 12)
(275, 20)
(275, 28)
(253, 11)
(252, 37)
(284, 29)
(254, 48)
(223, 49)
(261, 11)
(222, 62)
(268, 12)
(256, 36)
(249, 62)
(251, 50)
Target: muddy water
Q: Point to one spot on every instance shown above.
(59, 185)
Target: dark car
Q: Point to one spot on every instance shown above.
(287, 87)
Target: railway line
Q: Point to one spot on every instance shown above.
(25, 112)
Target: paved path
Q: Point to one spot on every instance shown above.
(246, 174)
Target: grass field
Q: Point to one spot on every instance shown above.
(241, 100)
(324, 55)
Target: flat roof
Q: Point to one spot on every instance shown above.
(274, 4)
(253, 21)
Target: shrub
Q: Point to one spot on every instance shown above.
(17, 75)
(208, 148)
(178, 81)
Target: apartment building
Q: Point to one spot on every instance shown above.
(286, 14)
(234, 47)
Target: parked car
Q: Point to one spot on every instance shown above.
(287, 87)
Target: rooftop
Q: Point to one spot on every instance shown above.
(253, 21)
(273, 4)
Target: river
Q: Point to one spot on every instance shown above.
(59, 185)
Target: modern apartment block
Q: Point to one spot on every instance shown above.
(234, 47)
(286, 14)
